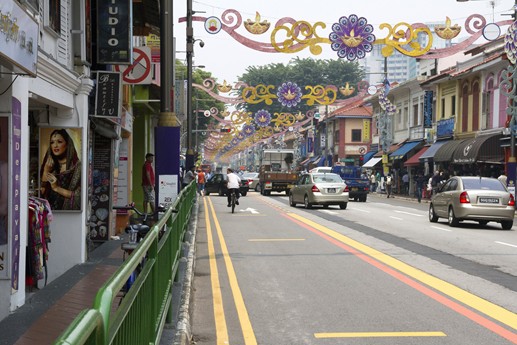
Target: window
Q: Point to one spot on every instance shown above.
(443, 108)
(53, 15)
(453, 105)
(356, 135)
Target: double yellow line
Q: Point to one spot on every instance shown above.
(220, 320)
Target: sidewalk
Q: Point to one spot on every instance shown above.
(51, 310)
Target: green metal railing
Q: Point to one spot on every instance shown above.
(138, 315)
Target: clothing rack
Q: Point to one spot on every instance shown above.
(40, 216)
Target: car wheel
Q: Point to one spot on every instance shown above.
(267, 192)
(453, 221)
(207, 193)
(483, 222)
(325, 206)
(306, 202)
(291, 201)
(343, 205)
(507, 224)
(257, 188)
(221, 191)
(364, 199)
(244, 193)
(433, 218)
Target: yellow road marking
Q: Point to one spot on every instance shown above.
(275, 239)
(378, 334)
(494, 311)
(220, 320)
(247, 329)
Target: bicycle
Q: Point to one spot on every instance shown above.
(233, 200)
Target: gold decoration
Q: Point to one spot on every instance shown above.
(402, 35)
(447, 32)
(346, 90)
(258, 94)
(224, 87)
(299, 116)
(257, 27)
(320, 94)
(298, 37)
(352, 40)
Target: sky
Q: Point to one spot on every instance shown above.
(227, 59)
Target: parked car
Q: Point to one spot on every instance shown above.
(482, 199)
(319, 189)
(217, 184)
(253, 180)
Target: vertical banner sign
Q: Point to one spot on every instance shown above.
(5, 176)
(168, 189)
(15, 192)
(102, 191)
(366, 130)
(123, 174)
(428, 109)
(114, 32)
(108, 94)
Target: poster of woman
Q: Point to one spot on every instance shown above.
(60, 167)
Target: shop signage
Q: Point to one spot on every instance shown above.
(108, 94)
(168, 189)
(19, 37)
(428, 109)
(114, 32)
(102, 191)
(445, 128)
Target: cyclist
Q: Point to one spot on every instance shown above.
(234, 182)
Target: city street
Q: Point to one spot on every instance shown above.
(376, 273)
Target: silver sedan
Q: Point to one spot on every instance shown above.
(482, 199)
(319, 189)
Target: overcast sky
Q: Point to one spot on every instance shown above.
(227, 59)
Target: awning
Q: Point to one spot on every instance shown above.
(314, 159)
(393, 148)
(429, 154)
(415, 159)
(445, 152)
(485, 148)
(404, 149)
(368, 155)
(372, 162)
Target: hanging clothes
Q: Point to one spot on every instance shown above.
(40, 216)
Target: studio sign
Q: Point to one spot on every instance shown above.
(114, 32)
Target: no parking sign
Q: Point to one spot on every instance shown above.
(139, 72)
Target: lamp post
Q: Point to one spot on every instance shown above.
(189, 158)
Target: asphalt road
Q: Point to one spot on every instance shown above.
(376, 273)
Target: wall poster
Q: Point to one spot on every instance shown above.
(60, 167)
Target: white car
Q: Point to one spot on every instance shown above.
(319, 189)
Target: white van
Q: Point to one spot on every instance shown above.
(321, 170)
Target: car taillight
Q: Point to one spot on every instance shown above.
(250, 180)
(464, 198)
(346, 190)
(511, 202)
(315, 189)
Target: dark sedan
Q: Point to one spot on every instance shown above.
(217, 184)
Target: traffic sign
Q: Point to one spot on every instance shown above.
(139, 72)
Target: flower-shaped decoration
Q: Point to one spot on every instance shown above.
(352, 37)
(234, 141)
(289, 94)
(248, 130)
(510, 43)
(262, 118)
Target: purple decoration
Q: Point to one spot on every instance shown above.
(510, 43)
(262, 118)
(352, 37)
(289, 94)
(248, 130)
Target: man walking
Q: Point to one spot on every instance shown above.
(420, 183)
(201, 182)
(148, 182)
(389, 184)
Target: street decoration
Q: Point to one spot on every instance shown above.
(351, 36)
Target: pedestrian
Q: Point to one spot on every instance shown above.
(389, 184)
(148, 182)
(189, 176)
(420, 183)
(201, 180)
(373, 183)
(405, 183)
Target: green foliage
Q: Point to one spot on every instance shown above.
(303, 72)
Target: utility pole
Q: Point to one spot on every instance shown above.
(189, 158)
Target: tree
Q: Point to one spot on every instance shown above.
(303, 72)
